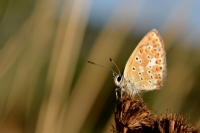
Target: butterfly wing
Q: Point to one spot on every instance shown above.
(146, 67)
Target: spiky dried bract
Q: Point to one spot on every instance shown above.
(173, 123)
(132, 115)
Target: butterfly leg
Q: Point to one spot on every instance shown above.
(139, 95)
(133, 92)
(117, 90)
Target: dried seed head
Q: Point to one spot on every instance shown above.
(133, 116)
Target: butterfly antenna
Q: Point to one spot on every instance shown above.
(101, 66)
(116, 66)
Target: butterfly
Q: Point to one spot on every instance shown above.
(145, 69)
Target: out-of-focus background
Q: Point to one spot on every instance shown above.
(46, 84)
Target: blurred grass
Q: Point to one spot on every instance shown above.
(46, 84)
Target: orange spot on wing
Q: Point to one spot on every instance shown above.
(147, 50)
(158, 61)
(154, 41)
(153, 50)
(159, 80)
(141, 50)
(156, 76)
(157, 55)
(158, 68)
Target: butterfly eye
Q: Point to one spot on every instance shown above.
(119, 78)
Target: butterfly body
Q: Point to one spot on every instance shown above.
(146, 67)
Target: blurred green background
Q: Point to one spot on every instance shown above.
(46, 84)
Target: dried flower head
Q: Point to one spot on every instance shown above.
(133, 116)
